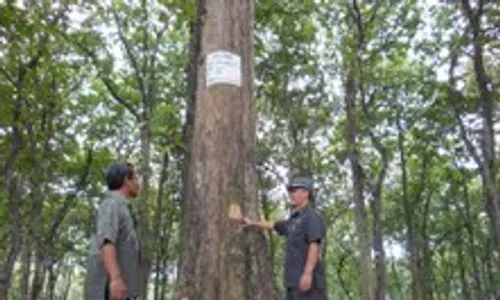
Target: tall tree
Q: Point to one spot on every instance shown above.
(484, 155)
(218, 259)
(141, 30)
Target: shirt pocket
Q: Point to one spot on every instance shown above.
(296, 232)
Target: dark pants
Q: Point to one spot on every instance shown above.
(312, 294)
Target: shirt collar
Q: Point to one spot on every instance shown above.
(118, 195)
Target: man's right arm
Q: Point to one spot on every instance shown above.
(279, 226)
(264, 224)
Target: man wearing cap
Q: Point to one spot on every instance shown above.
(304, 231)
(113, 263)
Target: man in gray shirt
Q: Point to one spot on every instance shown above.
(305, 232)
(113, 263)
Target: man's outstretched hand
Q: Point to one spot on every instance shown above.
(247, 222)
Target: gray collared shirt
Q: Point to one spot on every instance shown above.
(303, 227)
(114, 223)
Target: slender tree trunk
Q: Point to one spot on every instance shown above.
(412, 246)
(471, 248)
(67, 288)
(362, 227)
(426, 273)
(38, 275)
(378, 232)
(466, 294)
(40, 250)
(13, 197)
(157, 221)
(164, 264)
(25, 271)
(51, 286)
(397, 277)
(189, 217)
(378, 246)
(164, 254)
(489, 285)
(156, 292)
(220, 260)
(376, 188)
(486, 163)
(143, 226)
(13, 251)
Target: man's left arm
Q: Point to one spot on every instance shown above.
(314, 236)
(312, 258)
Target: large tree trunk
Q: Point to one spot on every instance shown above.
(220, 260)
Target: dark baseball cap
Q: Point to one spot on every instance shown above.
(301, 182)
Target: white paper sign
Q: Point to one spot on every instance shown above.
(224, 68)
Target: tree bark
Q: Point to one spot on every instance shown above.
(220, 260)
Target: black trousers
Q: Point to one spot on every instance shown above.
(312, 294)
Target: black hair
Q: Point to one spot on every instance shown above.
(116, 173)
